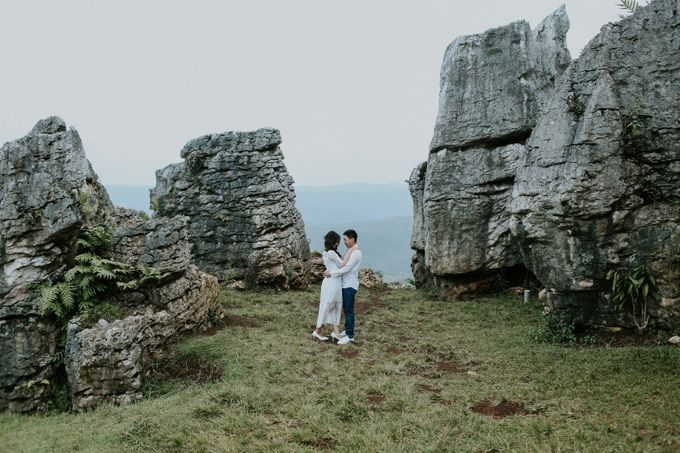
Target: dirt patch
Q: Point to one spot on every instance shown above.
(186, 368)
(500, 410)
(368, 305)
(426, 388)
(450, 367)
(231, 321)
(376, 398)
(618, 337)
(239, 321)
(394, 350)
(446, 402)
(349, 353)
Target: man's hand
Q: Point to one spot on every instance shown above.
(327, 274)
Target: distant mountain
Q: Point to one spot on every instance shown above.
(380, 213)
(133, 197)
(353, 202)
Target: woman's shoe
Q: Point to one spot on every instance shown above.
(319, 337)
(335, 337)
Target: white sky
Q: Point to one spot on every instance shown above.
(352, 84)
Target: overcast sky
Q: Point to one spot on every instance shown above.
(352, 85)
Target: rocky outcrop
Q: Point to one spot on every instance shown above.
(239, 199)
(161, 243)
(370, 279)
(598, 187)
(107, 362)
(314, 267)
(493, 86)
(48, 192)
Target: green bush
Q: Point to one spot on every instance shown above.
(554, 330)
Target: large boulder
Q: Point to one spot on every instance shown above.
(107, 362)
(240, 201)
(494, 84)
(48, 192)
(598, 187)
(493, 87)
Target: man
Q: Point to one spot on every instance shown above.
(350, 283)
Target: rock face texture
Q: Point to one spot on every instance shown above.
(48, 191)
(593, 188)
(599, 185)
(106, 363)
(239, 199)
(48, 194)
(493, 86)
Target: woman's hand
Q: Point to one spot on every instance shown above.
(348, 253)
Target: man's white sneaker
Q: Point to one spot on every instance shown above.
(345, 340)
(319, 337)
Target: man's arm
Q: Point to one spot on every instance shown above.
(352, 263)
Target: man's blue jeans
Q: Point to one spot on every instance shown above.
(348, 305)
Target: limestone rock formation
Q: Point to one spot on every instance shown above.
(161, 243)
(598, 187)
(106, 363)
(239, 199)
(48, 191)
(493, 86)
(314, 267)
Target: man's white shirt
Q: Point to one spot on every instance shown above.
(350, 272)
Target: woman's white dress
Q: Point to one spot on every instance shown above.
(330, 301)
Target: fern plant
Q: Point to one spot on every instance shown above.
(633, 289)
(91, 277)
(147, 275)
(628, 5)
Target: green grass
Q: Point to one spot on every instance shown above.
(281, 391)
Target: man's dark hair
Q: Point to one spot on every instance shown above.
(351, 234)
(331, 241)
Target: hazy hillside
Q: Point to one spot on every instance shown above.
(380, 213)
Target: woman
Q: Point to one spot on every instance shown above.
(330, 301)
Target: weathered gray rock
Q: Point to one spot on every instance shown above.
(106, 362)
(370, 279)
(493, 86)
(239, 199)
(598, 188)
(314, 267)
(161, 243)
(421, 274)
(48, 191)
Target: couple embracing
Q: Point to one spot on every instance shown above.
(339, 286)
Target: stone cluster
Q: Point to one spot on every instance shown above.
(569, 175)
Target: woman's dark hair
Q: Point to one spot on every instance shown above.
(331, 241)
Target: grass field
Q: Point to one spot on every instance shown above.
(416, 379)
